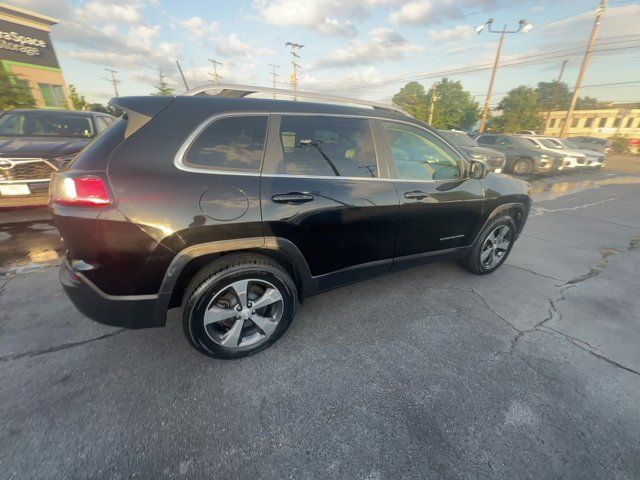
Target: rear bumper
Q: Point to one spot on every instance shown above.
(129, 311)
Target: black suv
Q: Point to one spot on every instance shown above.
(522, 156)
(236, 208)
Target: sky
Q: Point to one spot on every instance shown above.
(356, 48)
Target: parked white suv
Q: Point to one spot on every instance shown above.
(570, 158)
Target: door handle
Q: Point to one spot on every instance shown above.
(416, 195)
(293, 198)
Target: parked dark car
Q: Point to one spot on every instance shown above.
(522, 156)
(593, 143)
(36, 143)
(494, 159)
(235, 208)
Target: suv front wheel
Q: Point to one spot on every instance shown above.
(238, 305)
(492, 248)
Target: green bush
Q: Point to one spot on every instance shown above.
(620, 145)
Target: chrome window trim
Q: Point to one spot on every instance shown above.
(179, 160)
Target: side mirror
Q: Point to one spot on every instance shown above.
(478, 169)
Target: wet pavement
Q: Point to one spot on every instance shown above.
(531, 372)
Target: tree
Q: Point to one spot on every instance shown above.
(162, 88)
(98, 107)
(14, 93)
(554, 95)
(78, 101)
(520, 111)
(412, 98)
(454, 107)
(587, 103)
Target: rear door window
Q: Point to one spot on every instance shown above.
(230, 144)
(327, 146)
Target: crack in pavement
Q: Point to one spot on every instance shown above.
(554, 313)
(578, 207)
(534, 272)
(57, 348)
(553, 241)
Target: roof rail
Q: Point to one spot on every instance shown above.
(239, 91)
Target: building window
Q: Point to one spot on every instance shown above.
(603, 122)
(53, 95)
(588, 122)
(616, 122)
(629, 122)
(552, 123)
(574, 123)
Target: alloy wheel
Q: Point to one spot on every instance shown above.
(522, 167)
(495, 246)
(243, 313)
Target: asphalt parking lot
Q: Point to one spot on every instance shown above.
(531, 372)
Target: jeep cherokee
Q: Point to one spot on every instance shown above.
(235, 208)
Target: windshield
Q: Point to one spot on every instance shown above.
(570, 144)
(532, 142)
(459, 139)
(46, 125)
(551, 143)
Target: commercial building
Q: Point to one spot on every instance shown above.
(618, 121)
(26, 51)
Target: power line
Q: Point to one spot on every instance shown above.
(583, 68)
(273, 76)
(295, 47)
(215, 75)
(113, 80)
(476, 68)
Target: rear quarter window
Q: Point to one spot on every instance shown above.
(486, 140)
(96, 155)
(230, 144)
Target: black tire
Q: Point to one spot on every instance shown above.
(522, 166)
(473, 262)
(212, 279)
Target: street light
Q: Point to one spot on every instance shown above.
(524, 27)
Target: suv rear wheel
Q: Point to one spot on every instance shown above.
(492, 248)
(238, 305)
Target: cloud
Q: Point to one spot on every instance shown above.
(461, 32)
(327, 17)
(383, 44)
(232, 46)
(199, 28)
(435, 11)
(129, 13)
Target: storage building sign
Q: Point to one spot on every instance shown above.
(19, 43)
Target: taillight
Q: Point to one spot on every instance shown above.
(82, 190)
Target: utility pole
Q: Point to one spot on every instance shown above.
(523, 26)
(434, 99)
(273, 76)
(113, 80)
(554, 96)
(215, 75)
(295, 47)
(184, 79)
(585, 61)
